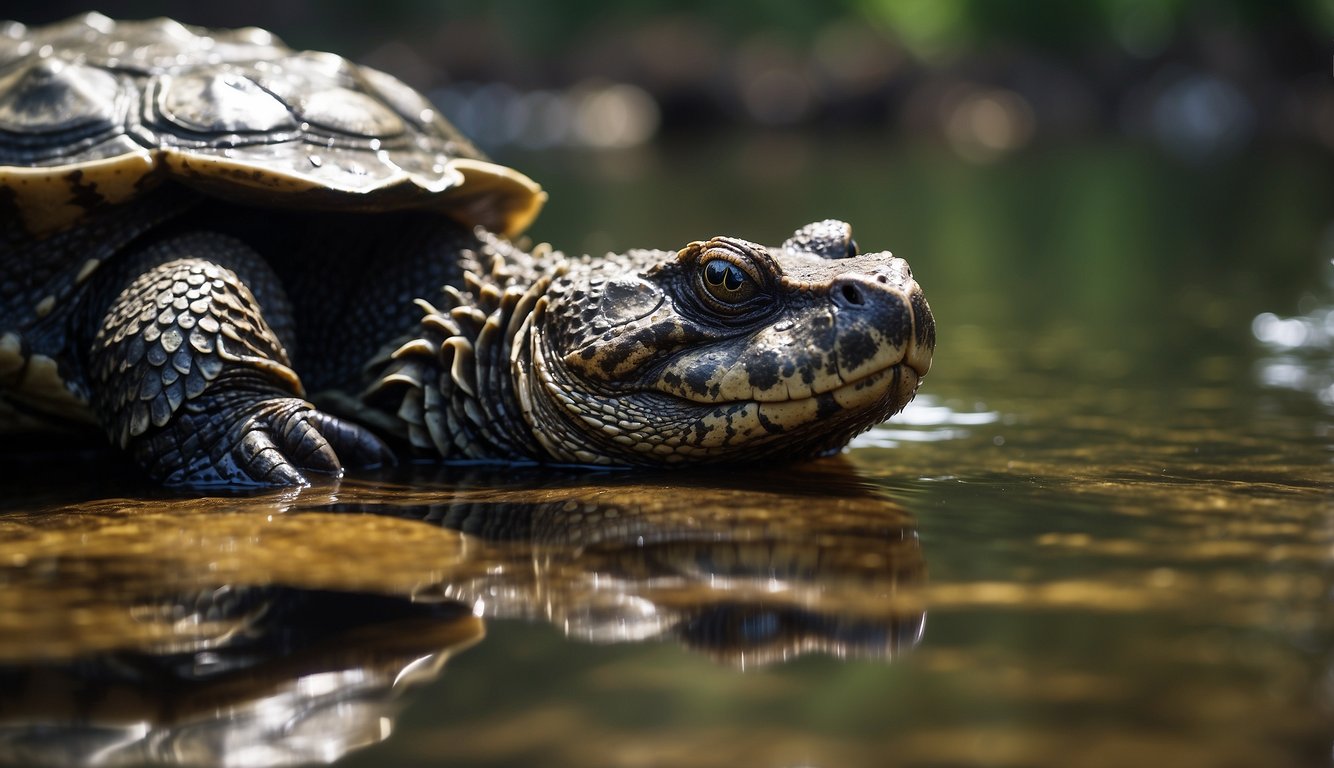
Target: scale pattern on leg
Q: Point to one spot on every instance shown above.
(189, 376)
(173, 330)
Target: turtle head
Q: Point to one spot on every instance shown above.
(726, 350)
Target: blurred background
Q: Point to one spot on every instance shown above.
(987, 77)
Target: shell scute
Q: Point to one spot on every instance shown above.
(234, 113)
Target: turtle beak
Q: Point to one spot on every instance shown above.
(922, 345)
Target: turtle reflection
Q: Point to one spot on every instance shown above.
(262, 630)
(748, 567)
(265, 676)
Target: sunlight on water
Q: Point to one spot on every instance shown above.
(927, 420)
(1301, 348)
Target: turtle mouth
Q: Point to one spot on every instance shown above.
(843, 390)
(873, 397)
(842, 387)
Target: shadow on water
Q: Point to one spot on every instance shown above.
(286, 628)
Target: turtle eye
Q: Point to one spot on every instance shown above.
(727, 283)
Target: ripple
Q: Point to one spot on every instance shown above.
(927, 420)
(1299, 347)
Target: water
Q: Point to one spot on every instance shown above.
(1102, 535)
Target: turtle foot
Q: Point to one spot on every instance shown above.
(238, 441)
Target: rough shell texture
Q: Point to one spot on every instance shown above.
(93, 111)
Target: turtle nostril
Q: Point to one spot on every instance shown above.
(852, 294)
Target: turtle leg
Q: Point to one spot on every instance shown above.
(192, 378)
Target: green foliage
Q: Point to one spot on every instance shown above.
(930, 28)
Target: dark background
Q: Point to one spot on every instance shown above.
(1201, 79)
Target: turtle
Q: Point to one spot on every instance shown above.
(248, 265)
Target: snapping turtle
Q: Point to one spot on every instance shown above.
(190, 217)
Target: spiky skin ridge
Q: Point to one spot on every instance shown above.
(455, 382)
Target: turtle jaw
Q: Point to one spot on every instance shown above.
(653, 428)
(864, 402)
(808, 426)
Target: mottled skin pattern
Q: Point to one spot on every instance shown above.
(229, 256)
(632, 359)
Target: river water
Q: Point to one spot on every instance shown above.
(1102, 535)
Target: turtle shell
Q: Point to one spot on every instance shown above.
(95, 111)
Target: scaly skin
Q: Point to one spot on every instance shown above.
(189, 377)
(635, 359)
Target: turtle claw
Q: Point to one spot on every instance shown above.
(258, 442)
(264, 464)
(287, 438)
(358, 448)
(294, 437)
